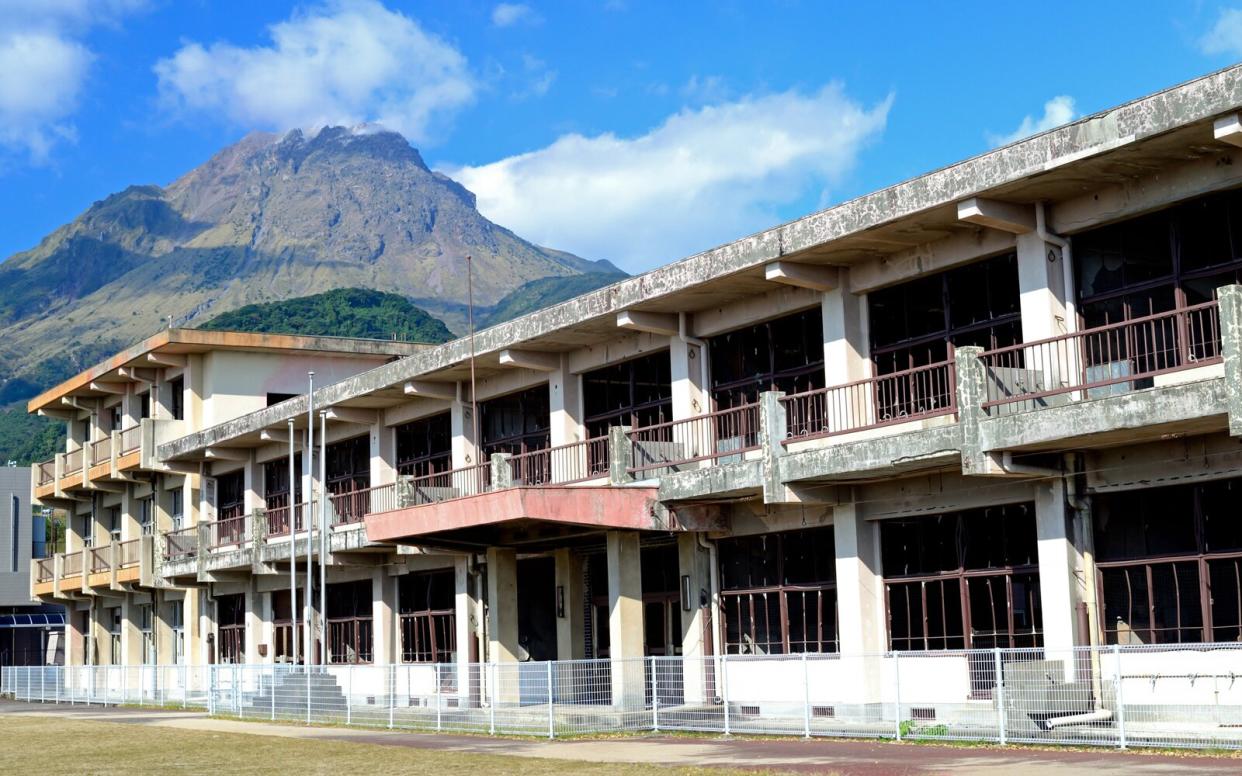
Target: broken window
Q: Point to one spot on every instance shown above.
(231, 628)
(276, 482)
(428, 616)
(785, 354)
(1169, 564)
(284, 636)
(778, 593)
(634, 393)
(231, 497)
(349, 622)
(517, 423)
(425, 446)
(919, 322)
(962, 580)
(349, 465)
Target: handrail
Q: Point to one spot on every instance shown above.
(46, 471)
(563, 464)
(181, 543)
(73, 461)
(712, 436)
(101, 451)
(130, 439)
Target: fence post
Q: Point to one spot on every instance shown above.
(439, 700)
(56, 672)
(806, 698)
(272, 689)
(724, 690)
(211, 690)
(491, 715)
(655, 697)
(308, 694)
(551, 711)
(1000, 694)
(42, 686)
(392, 692)
(349, 691)
(897, 695)
(185, 685)
(1121, 706)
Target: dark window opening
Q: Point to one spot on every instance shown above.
(176, 399)
(778, 593)
(425, 446)
(284, 635)
(517, 423)
(963, 580)
(276, 493)
(1169, 563)
(349, 465)
(231, 628)
(634, 393)
(349, 622)
(785, 354)
(230, 495)
(428, 616)
(145, 401)
(919, 322)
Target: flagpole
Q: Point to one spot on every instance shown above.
(310, 496)
(293, 545)
(323, 535)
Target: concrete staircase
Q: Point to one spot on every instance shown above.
(327, 702)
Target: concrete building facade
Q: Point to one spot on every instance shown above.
(996, 406)
(30, 633)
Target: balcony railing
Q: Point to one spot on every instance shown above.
(101, 451)
(181, 543)
(454, 483)
(45, 569)
(563, 464)
(1102, 361)
(352, 507)
(46, 472)
(899, 397)
(278, 516)
(230, 529)
(73, 461)
(721, 437)
(72, 564)
(100, 559)
(129, 553)
(130, 439)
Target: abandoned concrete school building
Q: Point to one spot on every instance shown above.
(997, 405)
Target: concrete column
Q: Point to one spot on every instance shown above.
(565, 404)
(1041, 288)
(625, 618)
(131, 634)
(772, 431)
(383, 454)
(254, 623)
(161, 627)
(1059, 588)
(971, 393)
(688, 392)
(1231, 348)
(384, 618)
(467, 608)
(620, 455)
(571, 622)
(694, 561)
(846, 346)
(461, 422)
(502, 605)
(252, 484)
(860, 604)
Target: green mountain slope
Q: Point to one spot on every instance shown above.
(544, 292)
(343, 312)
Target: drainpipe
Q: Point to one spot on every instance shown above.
(702, 344)
(1067, 269)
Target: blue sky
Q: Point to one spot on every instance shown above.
(633, 131)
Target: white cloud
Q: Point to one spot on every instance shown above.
(700, 178)
(538, 78)
(45, 66)
(1057, 111)
(1225, 37)
(345, 62)
(509, 14)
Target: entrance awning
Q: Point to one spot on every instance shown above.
(38, 620)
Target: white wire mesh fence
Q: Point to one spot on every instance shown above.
(1151, 696)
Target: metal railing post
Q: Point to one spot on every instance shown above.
(491, 717)
(1000, 694)
(439, 700)
(1121, 706)
(897, 695)
(655, 697)
(806, 698)
(42, 687)
(724, 690)
(349, 691)
(551, 712)
(185, 686)
(272, 688)
(308, 694)
(392, 693)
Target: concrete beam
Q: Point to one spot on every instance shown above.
(1228, 129)
(530, 359)
(664, 324)
(272, 435)
(812, 276)
(137, 373)
(111, 388)
(430, 390)
(166, 359)
(57, 414)
(354, 415)
(227, 454)
(995, 214)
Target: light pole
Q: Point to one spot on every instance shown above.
(323, 535)
(310, 505)
(293, 546)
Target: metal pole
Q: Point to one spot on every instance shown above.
(349, 690)
(439, 700)
(897, 695)
(1121, 708)
(655, 697)
(309, 454)
(1000, 694)
(551, 713)
(293, 554)
(806, 699)
(474, 403)
(323, 535)
(724, 691)
(491, 717)
(392, 692)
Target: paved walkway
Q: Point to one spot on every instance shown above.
(848, 758)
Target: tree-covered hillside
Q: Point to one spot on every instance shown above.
(343, 312)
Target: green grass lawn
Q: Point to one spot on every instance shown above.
(50, 746)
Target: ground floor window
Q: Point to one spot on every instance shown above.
(114, 634)
(178, 632)
(778, 593)
(145, 617)
(962, 580)
(349, 622)
(1169, 564)
(231, 628)
(286, 639)
(426, 602)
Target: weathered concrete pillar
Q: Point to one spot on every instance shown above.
(254, 623)
(694, 561)
(1041, 288)
(162, 627)
(565, 404)
(502, 605)
(384, 618)
(772, 433)
(1059, 587)
(502, 471)
(468, 609)
(131, 633)
(570, 616)
(383, 453)
(461, 421)
(860, 606)
(971, 393)
(620, 455)
(252, 484)
(688, 392)
(625, 618)
(1231, 348)
(846, 349)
